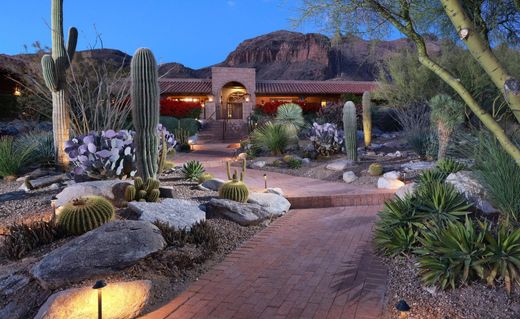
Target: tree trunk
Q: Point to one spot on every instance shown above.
(481, 51)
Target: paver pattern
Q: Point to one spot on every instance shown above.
(311, 263)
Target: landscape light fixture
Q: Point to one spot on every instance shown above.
(265, 181)
(247, 97)
(99, 287)
(403, 309)
(210, 98)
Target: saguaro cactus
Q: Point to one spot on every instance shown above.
(145, 112)
(367, 118)
(54, 67)
(350, 129)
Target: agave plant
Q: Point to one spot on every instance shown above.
(432, 176)
(273, 137)
(503, 257)
(399, 212)
(451, 255)
(448, 166)
(395, 241)
(441, 202)
(192, 170)
(13, 155)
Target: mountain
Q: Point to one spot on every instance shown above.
(276, 55)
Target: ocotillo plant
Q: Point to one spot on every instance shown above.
(367, 118)
(350, 130)
(145, 112)
(54, 67)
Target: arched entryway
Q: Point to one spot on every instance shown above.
(233, 97)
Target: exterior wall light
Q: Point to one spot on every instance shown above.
(247, 97)
(403, 308)
(210, 98)
(99, 287)
(323, 103)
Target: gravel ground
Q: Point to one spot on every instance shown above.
(473, 302)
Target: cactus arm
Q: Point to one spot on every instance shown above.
(244, 166)
(367, 119)
(228, 170)
(49, 73)
(72, 42)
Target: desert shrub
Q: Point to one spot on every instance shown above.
(396, 241)
(192, 170)
(447, 114)
(107, 154)
(326, 138)
(384, 118)
(500, 176)
(173, 236)
(43, 150)
(330, 114)
(451, 256)
(294, 163)
(13, 155)
(191, 125)
(415, 121)
(23, 238)
(448, 166)
(291, 116)
(441, 202)
(180, 109)
(201, 234)
(272, 137)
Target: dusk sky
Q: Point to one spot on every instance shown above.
(196, 33)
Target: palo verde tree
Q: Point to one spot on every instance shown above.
(476, 22)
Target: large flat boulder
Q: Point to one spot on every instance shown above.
(179, 213)
(213, 184)
(245, 214)
(339, 165)
(275, 204)
(467, 184)
(121, 300)
(112, 190)
(104, 250)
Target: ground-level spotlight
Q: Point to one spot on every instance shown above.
(99, 287)
(265, 181)
(403, 309)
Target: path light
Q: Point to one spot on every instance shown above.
(265, 181)
(403, 309)
(99, 287)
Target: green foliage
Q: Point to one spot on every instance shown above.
(448, 166)
(84, 214)
(500, 176)
(502, 257)
(367, 118)
(23, 238)
(294, 163)
(291, 116)
(273, 137)
(395, 241)
(446, 111)
(375, 169)
(204, 177)
(143, 190)
(452, 255)
(43, 147)
(350, 130)
(234, 189)
(192, 170)
(182, 135)
(13, 155)
(432, 176)
(201, 234)
(191, 125)
(441, 202)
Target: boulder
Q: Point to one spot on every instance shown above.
(275, 204)
(121, 300)
(407, 189)
(104, 250)
(387, 183)
(306, 161)
(213, 184)
(339, 165)
(243, 214)
(166, 192)
(392, 175)
(178, 213)
(258, 164)
(418, 166)
(274, 190)
(242, 156)
(468, 185)
(112, 190)
(349, 177)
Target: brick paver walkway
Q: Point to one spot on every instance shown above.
(311, 263)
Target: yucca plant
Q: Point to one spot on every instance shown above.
(451, 255)
(448, 166)
(273, 137)
(13, 155)
(399, 212)
(441, 202)
(192, 170)
(43, 147)
(503, 257)
(432, 176)
(291, 116)
(395, 241)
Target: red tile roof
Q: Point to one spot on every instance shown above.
(271, 87)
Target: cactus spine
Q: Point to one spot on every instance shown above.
(367, 118)
(235, 189)
(54, 67)
(84, 214)
(145, 112)
(350, 129)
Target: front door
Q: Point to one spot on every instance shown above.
(233, 110)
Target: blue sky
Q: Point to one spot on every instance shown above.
(196, 33)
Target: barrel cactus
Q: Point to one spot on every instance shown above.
(54, 67)
(367, 118)
(143, 191)
(235, 189)
(350, 130)
(145, 112)
(84, 214)
(375, 169)
(204, 177)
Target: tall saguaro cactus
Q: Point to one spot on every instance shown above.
(54, 67)
(145, 111)
(350, 129)
(367, 118)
